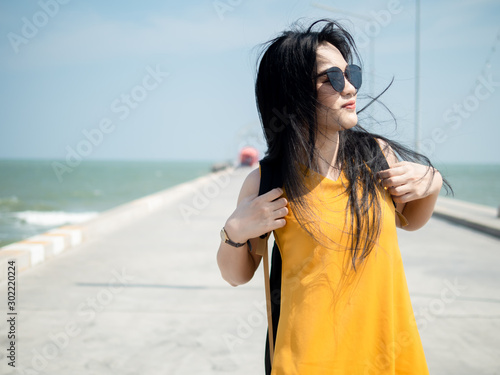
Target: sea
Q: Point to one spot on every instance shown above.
(34, 199)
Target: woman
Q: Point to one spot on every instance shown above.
(345, 306)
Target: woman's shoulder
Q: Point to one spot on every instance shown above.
(251, 185)
(387, 150)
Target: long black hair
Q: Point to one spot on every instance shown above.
(286, 96)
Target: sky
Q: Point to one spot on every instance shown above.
(172, 80)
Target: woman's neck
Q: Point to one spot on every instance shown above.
(327, 145)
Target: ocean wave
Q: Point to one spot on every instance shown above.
(14, 204)
(7, 203)
(53, 218)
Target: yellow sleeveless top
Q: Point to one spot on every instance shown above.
(334, 320)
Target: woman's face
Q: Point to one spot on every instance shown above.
(330, 112)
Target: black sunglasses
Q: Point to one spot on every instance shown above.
(336, 77)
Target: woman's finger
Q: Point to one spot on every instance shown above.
(394, 181)
(398, 191)
(282, 212)
(273, 194)
(393, 171)
(280, 223)
(279, 203)
(403, 198)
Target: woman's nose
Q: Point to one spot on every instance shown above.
(349, 88)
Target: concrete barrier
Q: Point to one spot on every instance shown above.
(472, 215)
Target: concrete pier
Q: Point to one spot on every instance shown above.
(138, 291)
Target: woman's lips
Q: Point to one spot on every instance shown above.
(350, 105)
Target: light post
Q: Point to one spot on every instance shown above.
(417, 75)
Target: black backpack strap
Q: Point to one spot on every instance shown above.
(275, 281)
(270, 178)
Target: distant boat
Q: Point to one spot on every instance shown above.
(220, 166)
(248, 156)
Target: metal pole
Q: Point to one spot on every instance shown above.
(371, 89)
(417, 75)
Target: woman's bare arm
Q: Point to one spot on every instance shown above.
(414, 187)
(254, 216)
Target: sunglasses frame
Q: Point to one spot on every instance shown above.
(333, 76)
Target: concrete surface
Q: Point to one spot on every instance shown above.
(146, 297)
(475, 216)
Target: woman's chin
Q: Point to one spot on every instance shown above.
(348, 125)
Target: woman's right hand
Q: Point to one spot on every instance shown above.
(256, 215)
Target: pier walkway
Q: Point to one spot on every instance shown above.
(145, 296)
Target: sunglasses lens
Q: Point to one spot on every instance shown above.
(353, 73)
(336, 77)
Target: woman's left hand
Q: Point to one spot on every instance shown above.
(407, 181)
